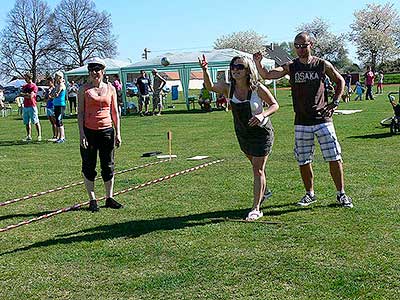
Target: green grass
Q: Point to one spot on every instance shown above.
(171, 241)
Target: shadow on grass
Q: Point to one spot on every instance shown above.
(24, 215)
(372, 136)
(137, 228)
(19, 143)
(175, 112)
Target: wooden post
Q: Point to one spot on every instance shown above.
(169, 136)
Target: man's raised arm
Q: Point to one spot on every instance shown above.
(275, 73)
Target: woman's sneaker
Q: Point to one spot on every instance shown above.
(93, 207)
(111, 203)
(307, 200)
(344, 200)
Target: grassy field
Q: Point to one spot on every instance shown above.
(179, 239)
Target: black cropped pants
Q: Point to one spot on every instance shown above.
(101, 141)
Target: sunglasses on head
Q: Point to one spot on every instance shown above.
(301, 46)
(238, 66)
(95, 68)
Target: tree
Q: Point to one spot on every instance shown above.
(246, 41)
(326, 44)
(288, 47)
(25, 41)
(375, 32)
(82, 32)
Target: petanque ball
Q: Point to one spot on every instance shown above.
(253, 106)
(165, 61)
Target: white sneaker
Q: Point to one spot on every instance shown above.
(307, 200)
(27, 139)
(254, 215)
(39, 138)
(344, 200)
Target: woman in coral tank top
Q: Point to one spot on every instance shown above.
(99, 130)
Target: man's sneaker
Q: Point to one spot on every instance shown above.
(344, 200)
(267, 194)
(27, 139)
(111, 203)
(307, 200)
(39, 138)
(93, 207)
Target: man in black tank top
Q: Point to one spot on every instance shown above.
(313, 114)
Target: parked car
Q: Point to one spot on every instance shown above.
(10, 93)
(131, 89)
(41, 92)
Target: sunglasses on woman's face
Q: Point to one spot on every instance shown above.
(301, 46)
(95, 68)
(238, 67)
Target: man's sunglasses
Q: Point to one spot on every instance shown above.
(302, 46)
(95, 68)
(238, 67)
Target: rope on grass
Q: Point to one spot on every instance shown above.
(76, 206)
(64, 187)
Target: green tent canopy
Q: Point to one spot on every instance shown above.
(185, 62)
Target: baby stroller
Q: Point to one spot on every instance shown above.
(393, 122)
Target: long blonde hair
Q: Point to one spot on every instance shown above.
(252, 77)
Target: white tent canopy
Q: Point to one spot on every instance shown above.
(113, 66)
(16, 83)
(185, 62)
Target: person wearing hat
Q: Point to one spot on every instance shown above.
(99, 130)
(59, 105)
(158, 85)
(30, 112)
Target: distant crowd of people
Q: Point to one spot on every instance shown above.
(361, 88)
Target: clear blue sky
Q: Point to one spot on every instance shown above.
(187, 25)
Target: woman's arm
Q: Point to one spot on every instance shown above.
(115, 116)
(266, 96)
(219, 87)
(81, 116)
(59, 88)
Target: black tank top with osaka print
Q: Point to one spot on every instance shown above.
(308, 91)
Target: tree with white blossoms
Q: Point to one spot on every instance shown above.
(247, 41)
(376, 34)
(326, 44)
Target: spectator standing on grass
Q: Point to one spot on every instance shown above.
(143, 84)
(59, 106)
(158, 85)
(30, 111)
(379, 87)
(313, 114)
(118, 88)
(99, 131)
(48, 97)
(369, 83)
(2, 99)
(252, 124)
(359, 91)
(72, 97)
(347, 81)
